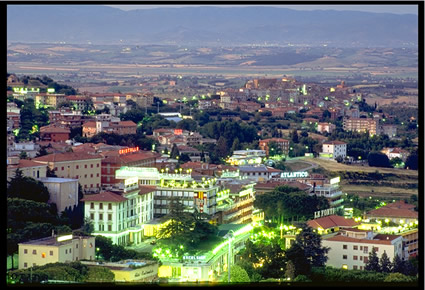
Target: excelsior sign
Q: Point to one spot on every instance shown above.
(294, 174)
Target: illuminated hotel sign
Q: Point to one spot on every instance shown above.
(64, 238)
(128, 150)
(294, 174)
(193, 257)
(335, 180)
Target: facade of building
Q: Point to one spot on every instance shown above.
(325, 127)
(54, 133)
(283, 144)
(120, 215)
(361, 125)
(127, 157)
(258, 172)
(350, 248)
(334, 149)
(63, 192)
(246, 157)
(82, 166)
(29, 168)
(56, 249)
(208, 265)
(331, 224)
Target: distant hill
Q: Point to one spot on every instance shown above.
(207, 26)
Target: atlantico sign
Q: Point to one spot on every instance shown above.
(297, 174)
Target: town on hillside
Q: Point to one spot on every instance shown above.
(216, 187)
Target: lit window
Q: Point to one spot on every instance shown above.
(43, 255)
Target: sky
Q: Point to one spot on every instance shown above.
(396, 9)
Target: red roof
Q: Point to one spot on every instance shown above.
(54, 129)
(144, 189)
(379, 239)
(67, 156)
(90, 124)
(23, 163)
(104, 196)
(331, 222)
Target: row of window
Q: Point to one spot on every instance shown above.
(356, 258)
(78, 166)
(362, 248)
(85, 176)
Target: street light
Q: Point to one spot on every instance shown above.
(229, 236)
(281, 228)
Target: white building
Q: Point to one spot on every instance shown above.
(63, 191)
(120, 215)
(334, 149)
(246, 157)
(55, 249)
(350, 248)
(258, 172)
(199, 194)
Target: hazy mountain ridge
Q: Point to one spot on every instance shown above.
(207, 26)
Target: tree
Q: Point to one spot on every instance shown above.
(221, 148)
(385, 263)
(378, 159)
(294, 136)
(174, 151)
(373, 262)
(397, 278)
(99, 274)
(306, 251)
(412, 161)
(236, 145)
(27, 188)
(290, 270)
(237, 275)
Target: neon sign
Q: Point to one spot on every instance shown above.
(294, 174)
(128, 150)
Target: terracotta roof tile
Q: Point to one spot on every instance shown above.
(382, 240)
(68, 156)
(331, 221)
(104, 196)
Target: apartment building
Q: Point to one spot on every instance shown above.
(29, 168)
(258, 172)
(235, 202)
(56, 249)
(282, 144)
(361, 125)
(130, 157)
(54, 133)
(334, 149)
(82, 166)
(350, 248)
(120, 214)
(194, 193)
(331, 224)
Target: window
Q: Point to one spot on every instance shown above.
(109, 228)
(365, 249)
(25, 251)
(109, 206)
(344, 247)
(376, 249)
(77, 166)
(34, 252)
(354, 267)
(355, 247)
(365, 259)
(66, 251)
(109, 217)
(85, 175)
(91, 205)
(355, 258)
(51, 253)
(62, 168)
(97, 174)
(76, 246)
(56, 169)
(101, 205)
(25, 265)
(344, 257)
(97, 165)
(100, 216)
(85, 165)
(91, 165)
(92, 216)
(76, 177)
(91, 175)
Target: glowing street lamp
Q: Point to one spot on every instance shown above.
(229, 236)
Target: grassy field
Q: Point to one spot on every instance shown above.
(401, 182)
(334, 166)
